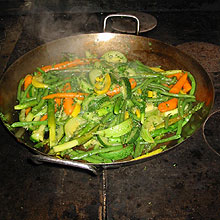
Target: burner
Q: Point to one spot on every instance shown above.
(207, 54)
(127, 25)
(211, 130)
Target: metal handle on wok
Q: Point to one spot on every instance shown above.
(38, 159)
(122, 15)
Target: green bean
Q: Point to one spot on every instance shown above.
(51, 122)
(117, 105)
(41, 112)
(90, 159)
(138, 149)
(24, 97)
(188, 100)
(193, 83)
(118, 154)
(146, 68)
(93, 158)
(162, 99)
(86, 129)
(144, 76)
(158, 86)
(49, 81)
(55, 85)
(179, 127)
(28, 123)
(170, 72)
(123, 109)
(97, 151)
(164, 130)
(180, 107)
(31, 99)
(108, 117)
(19, 89)
(174, 137)
(41, 71)
(136, 103)
(143, 84)
(176, 95)
(40, 104)
(168, 81)
(26, 105)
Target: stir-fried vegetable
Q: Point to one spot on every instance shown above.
(107, 109)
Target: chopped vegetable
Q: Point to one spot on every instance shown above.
(168, 105)
(27, 81)
(37, 81)
(178, 86)
(77, 95)
(104, 110)
(51, 122)
(67, 64)
(102, 89)
(117, 90)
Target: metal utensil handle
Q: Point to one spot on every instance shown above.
(122, 15)
(38, 159)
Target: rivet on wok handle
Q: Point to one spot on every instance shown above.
(122, 15)
(38, 159)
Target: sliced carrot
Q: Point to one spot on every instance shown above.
(66, 87)
(78, 95)
(133, 83)
(67, 64)
(43, 118)
(177, 75)
(58, 101)
(27, 81)
(113, 92)
(116, 90)
(169, 86)
(178, 86)
(68, 105)
(27, 110)
(187, 86)
(168, 105)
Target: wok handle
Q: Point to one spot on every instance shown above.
(38, 159)
(122, 15)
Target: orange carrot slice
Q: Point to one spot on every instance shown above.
(187, 86)
(27, 110)
(68, 105)
(116, 90)
(27, 81)
(178, 86)
(67, 64)
(43, 118)
(78, 95)
(168, 105)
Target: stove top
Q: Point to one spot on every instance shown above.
(183, 184)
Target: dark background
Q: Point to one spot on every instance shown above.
(181, 185)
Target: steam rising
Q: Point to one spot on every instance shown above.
(50, 25)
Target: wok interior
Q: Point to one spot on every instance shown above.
(149, 51)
